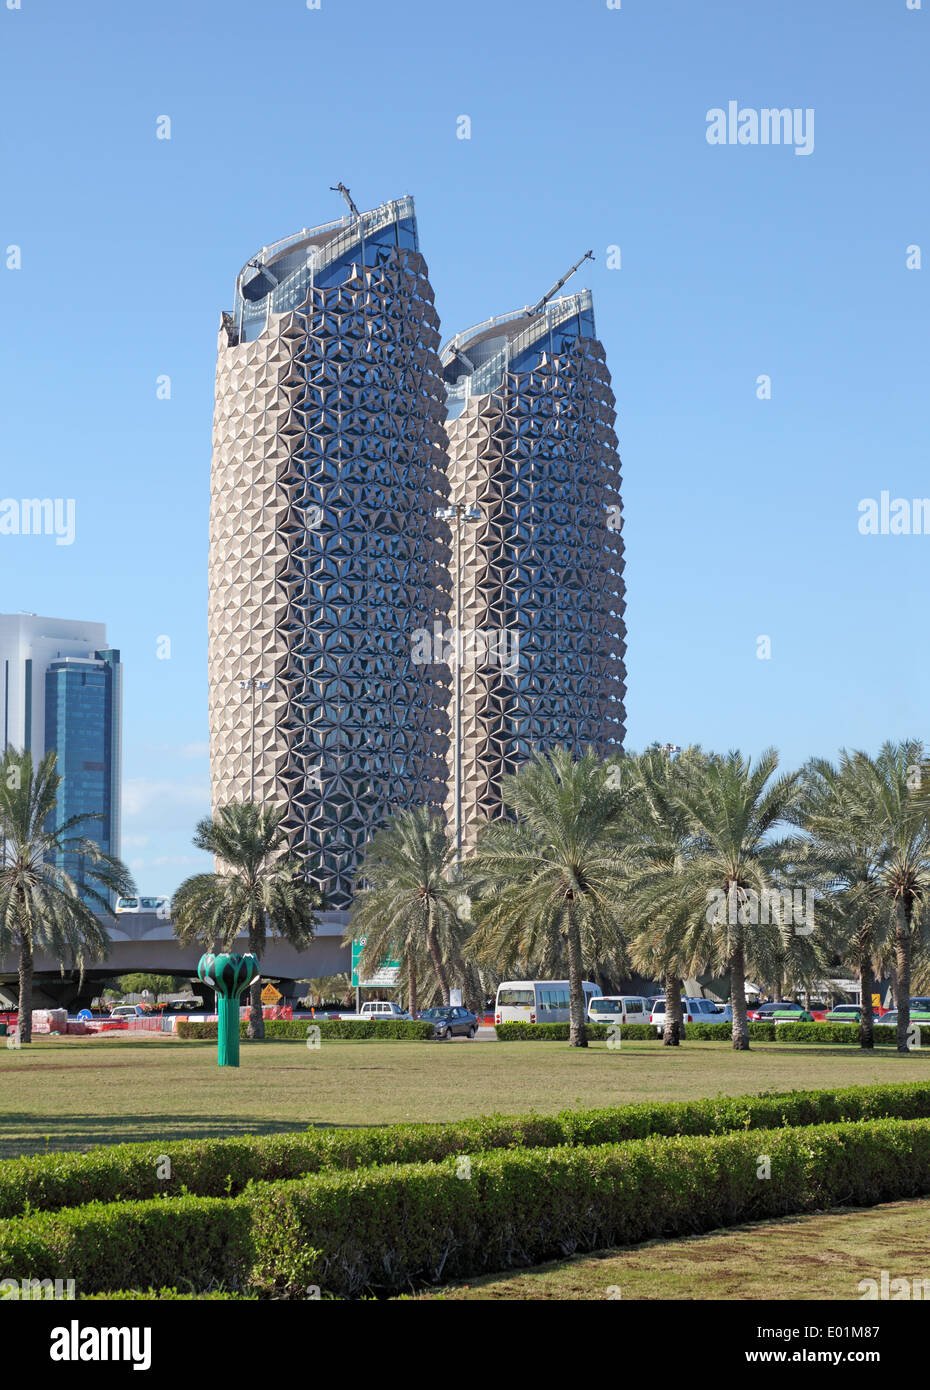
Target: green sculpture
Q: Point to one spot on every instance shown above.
(229, 975)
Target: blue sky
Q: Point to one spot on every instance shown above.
(588, 129)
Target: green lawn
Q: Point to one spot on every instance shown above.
(807, 1257)
(71, 1093)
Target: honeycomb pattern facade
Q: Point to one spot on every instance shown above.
(538, 457)
(326, 557)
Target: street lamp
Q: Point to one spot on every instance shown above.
(252, 684)
(458, 514)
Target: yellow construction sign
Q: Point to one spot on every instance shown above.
(270, 995)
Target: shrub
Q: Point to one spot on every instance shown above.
(296, 1029)
(843, 1033)
(188, 1240)
(634, 1032)
(385, 1229)
(224, 1167)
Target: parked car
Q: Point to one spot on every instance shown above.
(890, 1017)
(128, 1011)
(382, 1009)
(451, 1021)
(765, 1012)
(692, 1011)
(619, 1008)
(845, 1013)
(723, 1013)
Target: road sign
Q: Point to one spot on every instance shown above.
(270, 995)
(385, 977)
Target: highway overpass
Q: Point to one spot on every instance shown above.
(145, 941)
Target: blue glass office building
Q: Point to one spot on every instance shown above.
(83, 701)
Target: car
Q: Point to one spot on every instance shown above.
(127, 1011)
(450, 1020)
(845, 1013)
(920, 1003)
(382, 1009)
(723, 1013)
(890, 1017)
(619, 1008)
(763, 1012)
(692, 1011)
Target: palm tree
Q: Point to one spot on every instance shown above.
(42, 906)
(410, 904)
(660, 832)
(731, 807)
(261, 889)
(882, 806)
(843, 848)
(551, 880)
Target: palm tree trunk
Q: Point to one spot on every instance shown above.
(24, 1022)
(893, 976)
(436, 957)
(738, 997)
(672, 1031)
(902, 942)
(866, 985)
(577, 1032)
(256, 1028)
(411, 983)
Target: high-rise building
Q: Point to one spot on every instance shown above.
(533, 457)
(326, 555)
(62, 690)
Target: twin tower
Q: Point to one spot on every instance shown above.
(415, 554)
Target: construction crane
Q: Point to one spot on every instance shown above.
(341, 188)
(541, 303)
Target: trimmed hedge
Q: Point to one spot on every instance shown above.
(843, 1033)
(559, 1032)
(224, 1167)
(295, 1029)
(633, 1032)
(200, 1241)
(384, 1229)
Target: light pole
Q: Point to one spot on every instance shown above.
(252, 684)
(458, 514)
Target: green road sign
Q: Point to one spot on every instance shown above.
(385, 977)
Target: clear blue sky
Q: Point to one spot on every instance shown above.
(588, 130)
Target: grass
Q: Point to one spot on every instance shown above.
(70, 1093)
(805, 1257)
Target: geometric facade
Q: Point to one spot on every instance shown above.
(532, 448)
(326, 555)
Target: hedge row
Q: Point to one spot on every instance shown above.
(843, 1033)
(631, 1032)
(295, 1029)
(385, 1229)
(224, 1167)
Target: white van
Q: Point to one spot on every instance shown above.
(619, 1008)
(537, 1001)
